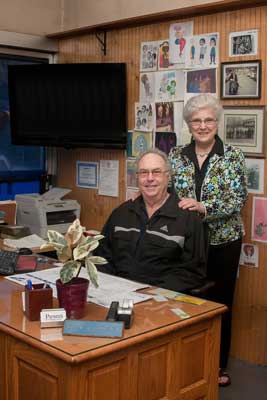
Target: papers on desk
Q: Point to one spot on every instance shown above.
(30, 241)
(111, 288)
(55, 194)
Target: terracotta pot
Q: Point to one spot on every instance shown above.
(73, 296)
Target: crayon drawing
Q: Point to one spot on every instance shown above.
(169, 85)
(259, 219)
(178, 40)
(163, 55)
(141, 142)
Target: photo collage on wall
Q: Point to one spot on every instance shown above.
(164, 83)
(176, 68)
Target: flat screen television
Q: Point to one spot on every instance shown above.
(68, 105)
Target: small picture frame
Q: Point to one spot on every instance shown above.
(243, 43)
(255, 175)
(244, 127)
(241, 80)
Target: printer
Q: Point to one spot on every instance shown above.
(47, 211)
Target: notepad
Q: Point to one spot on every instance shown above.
(93, 328)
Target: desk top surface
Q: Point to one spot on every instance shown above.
(151, 319)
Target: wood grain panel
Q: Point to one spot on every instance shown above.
(124, 45)
(192, 358)
(44, 384)
(152, 374)
(3, 355)
(108, 376)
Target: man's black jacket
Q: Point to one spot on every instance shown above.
(167, 250)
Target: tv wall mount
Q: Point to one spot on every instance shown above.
(102, 40)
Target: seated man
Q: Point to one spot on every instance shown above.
(151, 239)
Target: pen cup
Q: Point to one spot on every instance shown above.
(36, 299)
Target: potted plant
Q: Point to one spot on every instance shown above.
(74, 250)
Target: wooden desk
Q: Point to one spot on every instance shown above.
(160, 357)
(34, 249)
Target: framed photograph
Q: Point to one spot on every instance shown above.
(244, 127)
(241, 80)
(87, 174)
(255, 175)
(244, 43)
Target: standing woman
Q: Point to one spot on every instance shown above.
(210, 178)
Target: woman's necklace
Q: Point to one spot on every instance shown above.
(202, 154)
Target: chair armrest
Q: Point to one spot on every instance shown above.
(203, 289)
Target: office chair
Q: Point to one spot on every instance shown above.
(203, 290)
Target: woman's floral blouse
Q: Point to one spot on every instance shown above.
(223, 192)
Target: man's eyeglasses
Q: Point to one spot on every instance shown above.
(209, 122)
(156, 173)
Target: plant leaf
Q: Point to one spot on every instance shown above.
(92, 272)
(80, 252)
(56, 238)
(88, 240)
(64, 254)
(98, 260)
(74, 233)
(93, 246)
(69, 271)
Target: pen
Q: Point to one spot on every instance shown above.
(29, 284)
(46, 286)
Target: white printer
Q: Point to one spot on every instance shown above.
(47, 211)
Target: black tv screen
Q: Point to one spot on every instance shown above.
(68, 105)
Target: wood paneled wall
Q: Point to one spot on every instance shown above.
(249, 341)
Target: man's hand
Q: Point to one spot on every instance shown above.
(192, 205)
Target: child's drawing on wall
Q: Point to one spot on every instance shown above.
(178, 41)
(203, 51)
(147, 87)
(169, 85)
(149, 56)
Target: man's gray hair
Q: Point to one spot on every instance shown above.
(154, 151)
(203, 100)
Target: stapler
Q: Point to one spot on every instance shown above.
(121, 312)
(125, 312)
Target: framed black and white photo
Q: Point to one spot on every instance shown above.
(241, 80)
(255, 175)
(244, 43)
(243, 127)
